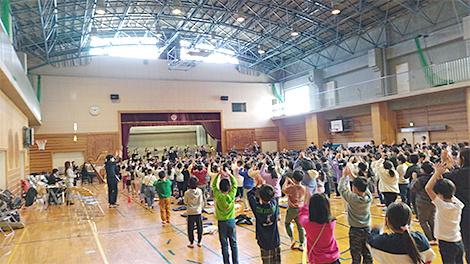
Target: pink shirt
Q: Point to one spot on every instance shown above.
(326, 250)
(295, 195)
(274, 182)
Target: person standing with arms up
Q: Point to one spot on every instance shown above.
(111, 178)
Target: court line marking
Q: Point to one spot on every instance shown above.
(158, 251)
(17, 245)
(100, 248)
(204, 246)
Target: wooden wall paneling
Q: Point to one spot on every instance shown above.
(97, 143)
(297, 136)
(41, 160)
(450, 114)
(13, 181)
(267, 134)
(362, 131)
(239, 138)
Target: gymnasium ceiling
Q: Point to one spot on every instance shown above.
(57, 31)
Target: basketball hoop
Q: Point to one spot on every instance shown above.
(41, 144)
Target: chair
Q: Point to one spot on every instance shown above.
(5, 218)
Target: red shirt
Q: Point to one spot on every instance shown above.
(200, 175)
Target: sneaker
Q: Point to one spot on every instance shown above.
(416, 220)
(199, 244)
(292, 244)
(337, 197)
(246, 210)
(382, 215)
(380, 205)
(163, 222)
(344, 212)
(191, 245)
(168, 222)
(301, 248)
(433, 243)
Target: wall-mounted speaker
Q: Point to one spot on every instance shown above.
(224, 98)
(114, 96)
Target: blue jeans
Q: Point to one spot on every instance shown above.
(404, 192)
(150, 193)
(228, 232)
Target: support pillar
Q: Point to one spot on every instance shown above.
(383, 123)
(283, 143)
(316, 129)
(468, 113)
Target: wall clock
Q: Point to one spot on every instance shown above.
(94, 110)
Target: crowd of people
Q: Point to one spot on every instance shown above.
(432, 181)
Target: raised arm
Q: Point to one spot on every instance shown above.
(439, 169)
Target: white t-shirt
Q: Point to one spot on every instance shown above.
(447, 223)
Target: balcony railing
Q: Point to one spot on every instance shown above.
(432, 76)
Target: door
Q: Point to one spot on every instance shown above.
(3, 170)
(418, 135)
(22, 165)
(407, 135)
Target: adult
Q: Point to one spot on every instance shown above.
(112, 179)
(69, 180)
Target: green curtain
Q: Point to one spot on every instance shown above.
(433, 79)
(276, 93)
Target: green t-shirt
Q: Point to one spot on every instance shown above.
(224, 203)
(163, 188)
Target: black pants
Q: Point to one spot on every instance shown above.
(451, 252)
(194, 219)
(389, 197)
(327, 187)
(337, 190)
(465, 231)
(357, 245)
(181, 190)
(239, 192)
(112, 191)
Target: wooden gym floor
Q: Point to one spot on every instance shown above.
(134, 234)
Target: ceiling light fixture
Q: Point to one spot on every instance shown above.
(334, 10)
(294, 32)
(100, 7)
(213, 39)
(261, 49)
(176, 8)
(240, 17)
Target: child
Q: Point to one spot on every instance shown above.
(425, 209)
(225, 214)
(448, 216)
(315, 216)
(267, 232)
(194, 201)
(403, 245)
(359, 217)
(248, 184)
(163, 187)
(150, 189)
(296, 196)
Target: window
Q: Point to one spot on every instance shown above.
(238, 107)
(297, 100)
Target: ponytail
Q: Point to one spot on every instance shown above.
(388, 165)
(399, 218)
(321, 173)
(410, 246)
